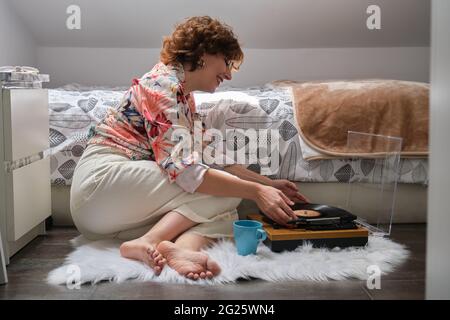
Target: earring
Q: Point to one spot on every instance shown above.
(201, 63)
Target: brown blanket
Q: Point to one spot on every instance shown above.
(326, 111)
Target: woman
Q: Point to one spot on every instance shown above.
(133, 182)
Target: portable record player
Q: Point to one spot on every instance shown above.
(321, 225)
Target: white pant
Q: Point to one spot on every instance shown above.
(114, 197)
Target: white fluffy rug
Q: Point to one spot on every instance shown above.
(100, 260)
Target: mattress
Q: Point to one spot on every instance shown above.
(71, 115)
(73, 110)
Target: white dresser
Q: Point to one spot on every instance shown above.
(25, 198)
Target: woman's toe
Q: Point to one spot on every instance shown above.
(209, 274)
(202, 275)
(157, 270)
(158, 258)
(196, 276)
(213, 267)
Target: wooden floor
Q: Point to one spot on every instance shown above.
(29, 268)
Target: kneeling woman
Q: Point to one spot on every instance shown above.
(133, 182)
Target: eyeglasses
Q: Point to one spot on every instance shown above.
(230, 65)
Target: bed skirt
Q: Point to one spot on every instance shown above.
(410, 206)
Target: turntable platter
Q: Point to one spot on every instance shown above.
(307, 213)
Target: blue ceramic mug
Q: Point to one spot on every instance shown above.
(247, 234)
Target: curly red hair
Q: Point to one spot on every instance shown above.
(199, 35)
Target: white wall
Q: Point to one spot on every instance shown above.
(259, 24)
(286, 39)
(117, 66)
(17, 45)
(438, 235)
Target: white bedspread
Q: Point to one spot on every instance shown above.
(73, 109)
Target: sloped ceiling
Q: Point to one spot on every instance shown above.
(274, 24)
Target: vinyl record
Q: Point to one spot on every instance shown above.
(317, 214)
(325, 210)
(307, 213)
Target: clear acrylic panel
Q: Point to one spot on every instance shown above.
(373, 186)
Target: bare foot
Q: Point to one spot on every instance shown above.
(191, 264)
(143, 250)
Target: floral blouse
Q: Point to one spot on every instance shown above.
(142, 126)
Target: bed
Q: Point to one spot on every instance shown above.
(73, 109)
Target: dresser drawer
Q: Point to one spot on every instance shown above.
(28, 198)
(26, 122)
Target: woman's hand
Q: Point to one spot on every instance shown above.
(275, 204)
(290, 190)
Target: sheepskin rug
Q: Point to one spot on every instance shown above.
(91, 262)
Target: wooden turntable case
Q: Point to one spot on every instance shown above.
(288, 239)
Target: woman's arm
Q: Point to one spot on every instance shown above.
(222, 184)
(289, 188)
(273, 202)
(248, 175)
